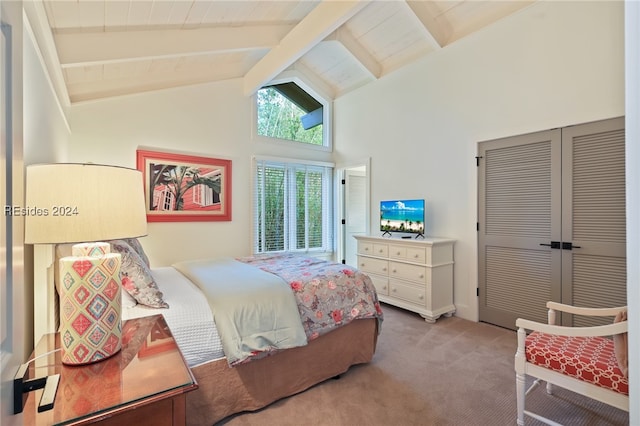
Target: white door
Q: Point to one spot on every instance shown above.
(355, 214)
(354, 209)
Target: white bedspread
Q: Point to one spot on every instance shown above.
(254, 310)
(189, 317)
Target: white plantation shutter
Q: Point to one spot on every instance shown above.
(292, 206)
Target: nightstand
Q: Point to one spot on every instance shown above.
(145, 383)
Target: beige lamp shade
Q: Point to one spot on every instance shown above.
(70, 203)
(86, 203)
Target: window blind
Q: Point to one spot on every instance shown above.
(292, 207)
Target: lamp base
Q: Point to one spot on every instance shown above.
(90, 307)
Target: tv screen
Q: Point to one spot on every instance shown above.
(402, 216)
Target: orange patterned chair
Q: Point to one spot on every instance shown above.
(591, 361)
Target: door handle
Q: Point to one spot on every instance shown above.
(569, 246)
(553, 244)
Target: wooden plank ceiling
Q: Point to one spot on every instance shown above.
(105, 48)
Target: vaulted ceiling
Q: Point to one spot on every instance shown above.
(103, 48)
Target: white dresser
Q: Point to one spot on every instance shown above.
(414, 274)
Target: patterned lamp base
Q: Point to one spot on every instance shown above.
(90, 304)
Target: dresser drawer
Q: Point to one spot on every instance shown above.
(397, 252)
(365, 248)
(375, 266)
(371, 249)
(416, 254)
(381, 284)
(381, 250)
(408, 272)
(409, 293)
(410, 254)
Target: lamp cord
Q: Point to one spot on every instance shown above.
(44, 354)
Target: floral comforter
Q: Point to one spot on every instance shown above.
(329, 294)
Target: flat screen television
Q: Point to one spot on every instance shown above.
(405, 216)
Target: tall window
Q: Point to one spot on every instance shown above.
(293, 210)
(289, 112)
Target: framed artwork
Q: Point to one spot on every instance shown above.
(185, 188)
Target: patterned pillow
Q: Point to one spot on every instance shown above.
(127, 300)
(621, 345)
(136, 276)
(137, 247)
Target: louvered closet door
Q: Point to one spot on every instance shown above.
(594, 222)
(552, 222)
(519, 211)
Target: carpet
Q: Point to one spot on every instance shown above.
(453, 372)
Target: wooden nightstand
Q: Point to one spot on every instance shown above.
(145, 383)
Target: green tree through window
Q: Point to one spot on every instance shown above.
(292, 207)
(279, 117)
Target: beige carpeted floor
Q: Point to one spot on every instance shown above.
(453, 372)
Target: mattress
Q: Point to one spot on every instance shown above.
(188, 316)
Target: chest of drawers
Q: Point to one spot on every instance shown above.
(412, 274)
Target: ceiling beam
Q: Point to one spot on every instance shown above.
(124, 85)
(369, 64)
(82, 49)
(435, 32)
(313, 28)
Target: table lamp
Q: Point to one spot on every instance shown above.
(87, 204)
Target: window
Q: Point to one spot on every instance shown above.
(286, 111)
(293, 210)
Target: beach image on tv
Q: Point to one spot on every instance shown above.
(402, 216)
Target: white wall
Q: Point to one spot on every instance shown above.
(553, 64)
(211, 120)
(46, 130)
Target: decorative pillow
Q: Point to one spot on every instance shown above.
(136, 276)
(621, 345)
(127, 300)
(137, 247)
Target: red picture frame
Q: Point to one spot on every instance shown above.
(185, 188)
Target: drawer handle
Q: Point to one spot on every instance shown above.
(366, 249)
(362, 265)
(394, 289)
(384, 287)
(421, 276)
(398, 253)
(421, 296)
(394, 271)
(384, 269)
(415, 256)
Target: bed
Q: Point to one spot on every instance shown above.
(338, 314)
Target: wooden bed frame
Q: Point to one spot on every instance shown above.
(225, 390)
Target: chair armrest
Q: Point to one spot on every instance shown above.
(599, 312)
(600, 330)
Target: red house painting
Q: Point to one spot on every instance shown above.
(185, 188)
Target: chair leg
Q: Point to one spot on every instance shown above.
(549, 388)
(520, 396)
